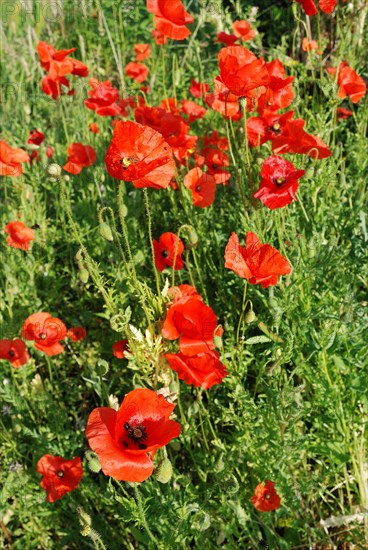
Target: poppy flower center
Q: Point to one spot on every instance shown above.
(165, 254)
(214, 166)
(127, 161)
(198, 188)
(276, 128)
(43, 336)
(11, 353)
(267, 496)
(60, 473)
(279, 181)
(137, 434)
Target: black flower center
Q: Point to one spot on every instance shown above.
(165, 254)
(276, 128)
(198, 188)
(11, 353)
(279, 181)
(137, 434)
(60, 473)
(43, 336)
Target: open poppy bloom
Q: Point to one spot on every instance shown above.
(258, 263)
(242, 73)
(193, 322)
(165, 249)
(10, 160)
(76, 334)
(279, 183)
(125, 440)
(203, 370)
(223, 101)
(102, 98)
(35, 137)
(350, 83)
(267, 127)
(59, 476)
(79, 156)
(202, 185)
(46, 331)
(170, 18)
(20, 236)
(118, 349)
(193, 110)
(137, 71)
(139, 154)
(243, 30)
(265, 498)
(294, 139)
(309, 46)
(55, 86)
(142, 51)
(198, 89)
(15, 351)
(93, 128)
(57, 63)
(279, 93)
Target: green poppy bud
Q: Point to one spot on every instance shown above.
(54, 170)
(84, 275)
(105, 232)
(250, 317)
(163, 472)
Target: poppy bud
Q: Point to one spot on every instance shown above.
(54, 170)
(342, 179)
(309, 173)
(163, 472)
(84, 275)
(250, 317)
(85, 522)
(192, 239)
(106, 232)
(220, 465)
(242, 102)
(93, 462)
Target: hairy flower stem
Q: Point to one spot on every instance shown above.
(143, 515)
(149, 221)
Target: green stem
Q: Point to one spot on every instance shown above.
(143, 515)
(149, 221)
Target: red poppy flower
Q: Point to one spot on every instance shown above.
(193, 110)
(141, 155)
(327, 6)
(225, 38)
(46, 331)
(49, 151)
(79, 156)
(165, 249)
(59, 476)
(77, 333)
(170, 18)
(142, 51)
(118, 349)
(10, 160)
(223, 101)
(204, 369)
(55, 86)
(350, 83)
(243, 30)
(15, 351)
(35, 137)
(137, 71)
(267, 127)
(102, 98)
(309, 46)
(20, 235)
(294, 139)
(198, 89)
(202, 185)
(214, 139)
(126, 440)
(189, 319)
(279, 93)
(343, 113)
(309, 7)
(259, 263)
(93, 128)
(279, 183)
(242, 73)
(57, 63)
(265, 498)
(159, 38)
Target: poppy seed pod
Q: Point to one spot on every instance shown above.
(250, 317)
(54, 170)
(192, 239)
(105, 232)
(164, 471)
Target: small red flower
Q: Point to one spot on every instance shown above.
(198, 89)
(46, 331)
(223, 101)
(279, 93)
(77, 333)
(343, 113)
(243, 30)
(159, 38)
(265, 498)
(11, 159)
(59, 476)
(189, 319)
(165, 249)
(225, 38)
(309, 6)
(241, 71)
(202, 185)
(79, 156)
(279, 183)
(15, 351)
(49, 151)
(142, 51)
(350, 83)
(102, 98)
(309, 46)
(259, 263)
(137, 71)
(20, 235)
(126, 440)
(118, 349)
(203, 370)
(35, 137)
(139, 154)
(55, 86)
(170, 18)
(57, 63)
(193, 110)
(93, 128)
(294, 139)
